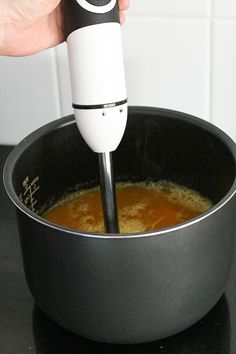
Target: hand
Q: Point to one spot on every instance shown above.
(29, 26)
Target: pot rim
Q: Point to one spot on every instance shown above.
(68, 120)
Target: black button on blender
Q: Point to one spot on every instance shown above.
(99, 2)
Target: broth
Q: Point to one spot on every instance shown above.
(141, 207)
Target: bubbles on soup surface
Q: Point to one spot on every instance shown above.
(141, 207)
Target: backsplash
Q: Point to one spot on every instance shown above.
(179, 54)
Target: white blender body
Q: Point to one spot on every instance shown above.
(97, 75)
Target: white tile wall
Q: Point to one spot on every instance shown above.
(168, 65)
(179, 54)
(28, 95)
(190, 8)
(224, 75)
(224, 8)
(63, 77)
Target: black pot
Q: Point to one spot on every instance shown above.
(119, 288)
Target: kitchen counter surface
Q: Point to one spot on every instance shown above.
(24, 328)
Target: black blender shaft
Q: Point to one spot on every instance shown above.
(108, 192)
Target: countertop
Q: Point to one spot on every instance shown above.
(24, 328)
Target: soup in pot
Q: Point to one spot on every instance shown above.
(141, 207)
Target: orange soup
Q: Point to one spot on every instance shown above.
(141, 207)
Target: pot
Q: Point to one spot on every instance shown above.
(126, 288)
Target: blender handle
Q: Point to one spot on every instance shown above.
(93, 35)
(82, 13)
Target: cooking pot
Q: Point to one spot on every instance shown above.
(126, 288)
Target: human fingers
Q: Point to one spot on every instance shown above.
(123, 6)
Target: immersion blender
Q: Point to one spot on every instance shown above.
(93, 35)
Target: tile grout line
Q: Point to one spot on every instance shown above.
(57, 82)
(210, 63)
(181, 17)
(166, 17)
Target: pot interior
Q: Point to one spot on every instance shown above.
(158, 144)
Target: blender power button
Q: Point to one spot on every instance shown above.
(99, 2)
(97, 6)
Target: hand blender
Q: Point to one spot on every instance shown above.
(99, 97)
